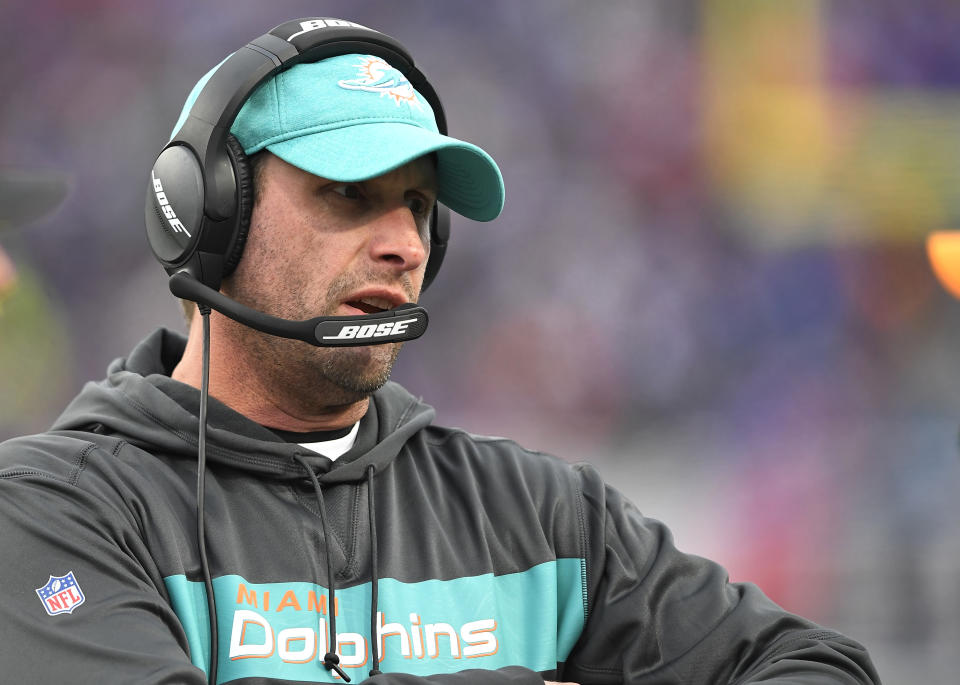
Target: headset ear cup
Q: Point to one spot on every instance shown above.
(439, 235)
(244, 176)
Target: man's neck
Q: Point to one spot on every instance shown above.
(234, 381)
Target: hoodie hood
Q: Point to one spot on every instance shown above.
(139, 402)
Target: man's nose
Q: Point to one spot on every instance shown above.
(397, 240)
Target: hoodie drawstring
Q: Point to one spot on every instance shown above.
(330, 659)
(374, 579)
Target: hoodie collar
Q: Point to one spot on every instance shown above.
(139, 402)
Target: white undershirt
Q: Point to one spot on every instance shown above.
(337, 447)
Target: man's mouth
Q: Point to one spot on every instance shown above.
(371, 305)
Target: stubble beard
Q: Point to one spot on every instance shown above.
(312, 376)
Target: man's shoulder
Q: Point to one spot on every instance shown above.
(47, 447)
(493, 451)
(493, 458)
(437, 435)
(60, 455)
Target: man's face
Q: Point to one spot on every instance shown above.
(321, 247)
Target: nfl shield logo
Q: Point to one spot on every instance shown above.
(61, 594)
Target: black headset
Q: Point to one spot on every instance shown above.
(200, 195)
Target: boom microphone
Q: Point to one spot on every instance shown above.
(406, 322)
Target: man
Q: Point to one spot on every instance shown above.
(346, 535)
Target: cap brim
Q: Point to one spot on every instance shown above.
(469, 180)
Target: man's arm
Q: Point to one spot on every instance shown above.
(655, 614)
(106, 622)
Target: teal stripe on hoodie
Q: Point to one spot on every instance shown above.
(435, 626)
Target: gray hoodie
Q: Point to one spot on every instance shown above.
(426, 554)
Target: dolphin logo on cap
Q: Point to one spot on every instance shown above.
(376, 76)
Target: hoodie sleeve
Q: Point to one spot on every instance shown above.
(656, 615)
(77, 604)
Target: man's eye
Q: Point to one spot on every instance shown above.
(419, 205)
(348, 190)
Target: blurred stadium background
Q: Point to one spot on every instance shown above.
(709, 278)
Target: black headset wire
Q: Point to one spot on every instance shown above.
(201, 469)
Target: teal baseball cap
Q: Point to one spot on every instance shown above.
(354, 117)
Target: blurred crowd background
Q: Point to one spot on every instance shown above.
(709, 278)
